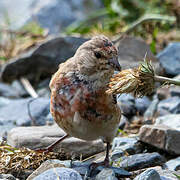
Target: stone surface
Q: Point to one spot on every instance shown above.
(170, 105)
(140, 161)
(132, 50)
(59, 173)
(149, 174)
(48, 165)
(162, 137)
(170, 59)
(106, 174)
(168, 175)
(42, 60)
(7, 177)
(151, 111)
(16, 111)
(40, 11)
(173, 164)
(126, 102)
(142, 104)
(171, 120)
(8, 91)
(64, 13)
(42, 136)
(123, 145)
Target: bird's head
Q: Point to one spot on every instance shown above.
(97, 57)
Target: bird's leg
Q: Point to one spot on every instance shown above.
(51, 146)
(105, 163)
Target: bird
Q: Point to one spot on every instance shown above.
(79, 102)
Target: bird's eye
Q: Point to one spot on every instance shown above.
(97, 54)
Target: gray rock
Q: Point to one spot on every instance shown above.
(126, 102)
(170, 105)
(123, 145)
(43, 136)
(173, 164)
(16, 111)
(41, 60)
(132, 50)
(7, 177)
(40, 11)
(64, 13)
(168, 175)
(106, 174)
(142, 104)
(167, 138)
(123, 122)
(140, 161)
(149, 174)
(59, 173)
(48, 165)
(8, 91)
(170, 58)
(171, 120)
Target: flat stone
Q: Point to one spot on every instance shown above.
(48, 165)
(139, 161)
(126, 102)
(8, 91)
(168, 106)
(16, 111)
(167, 138)
(132, 50)
(173, 164)
(149, 174)
(7, 177)
(123, 145)
(168, 175)
(142, 104)
(171, 120)
(59, 173)
(43, 136)
(42, 59)
(106, 174)
(170, 58)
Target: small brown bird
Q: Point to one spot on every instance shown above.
(79, 103)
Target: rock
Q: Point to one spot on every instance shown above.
(171, 120)
(64, 13)
(59, 173)
(48, 165)
(126, 102)
(149, 174)
(170, 105)
(168, 175)
(43, 136)
(43, 60)
(173, 164)
(123, 122)
(7, 177)
(8, 91)
(170, 59)
(106, 174)
(40, 11)
(151, 110)
(16, 111)
(139, 161)
(4, 101)
(122, 145)
(167, 138)
(142, 104)
(132, 50)
(19, 88)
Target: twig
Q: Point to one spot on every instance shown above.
(167, 80)
(148, 17)
(33, 120)
(28, 87)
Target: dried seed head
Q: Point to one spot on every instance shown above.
(138, 81)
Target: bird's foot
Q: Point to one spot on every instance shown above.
(93, 166)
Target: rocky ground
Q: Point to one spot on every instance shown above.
(148, 144)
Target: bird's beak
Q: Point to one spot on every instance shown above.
(115, 63)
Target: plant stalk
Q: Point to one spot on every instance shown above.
(167, 80)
